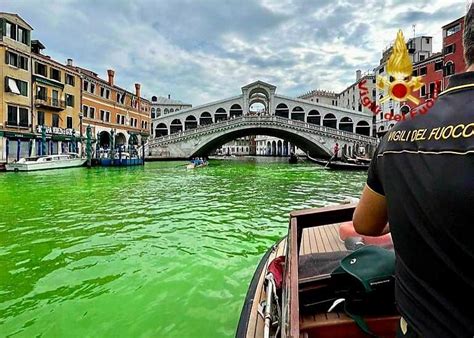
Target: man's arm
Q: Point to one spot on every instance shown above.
(370, 217)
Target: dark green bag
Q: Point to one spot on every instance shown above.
(365, 280)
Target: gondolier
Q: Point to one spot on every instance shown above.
(336, 151)
(423, 185)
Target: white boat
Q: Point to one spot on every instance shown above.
(46, 162)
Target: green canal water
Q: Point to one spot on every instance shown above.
(153, 251)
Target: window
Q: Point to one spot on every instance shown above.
(118, 97)
(23, 35)
(122, 119)
(55, 74)
(449, 69)
(422, 57)
(69, 100)
(17, 116)
(92, 112)
(107, 116)
(40, 116)
(432, 88)
(381, 70)
(40, 69)
(70, 79)
(438, 65)
(102, 115)
(16, 86)
(10, 30)
(56, 120)
(118, 119)
(92, 88)
(41, 93)
(104, 92)
(85, 86)
(450, 31)
(427, 40)
(450, 49)
(69, 122)
(12, 59)
(85, 110)
(423, 71)
(423, 91)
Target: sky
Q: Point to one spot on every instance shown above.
(201, 51)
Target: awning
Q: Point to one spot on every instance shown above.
(48, 82)
(18, 134)
(62, 138)
(13, 87)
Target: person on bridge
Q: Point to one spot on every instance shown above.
(424, 187)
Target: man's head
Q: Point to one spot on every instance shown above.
(469, 37)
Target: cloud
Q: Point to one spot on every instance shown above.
(200, 51)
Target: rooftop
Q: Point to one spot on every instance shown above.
(165, 100)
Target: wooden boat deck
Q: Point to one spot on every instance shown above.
(314, 240)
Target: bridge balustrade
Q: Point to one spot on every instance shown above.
(255, 119)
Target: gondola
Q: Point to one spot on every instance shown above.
(363, 159)
(317, 160)
(339, 165)
(312, 233)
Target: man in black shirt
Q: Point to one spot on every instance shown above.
(421, 180)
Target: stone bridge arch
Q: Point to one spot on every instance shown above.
(304, 142)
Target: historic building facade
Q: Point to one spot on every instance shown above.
(117, 117)
(16, 130)
(56, 108)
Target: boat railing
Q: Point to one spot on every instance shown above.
(300, 220)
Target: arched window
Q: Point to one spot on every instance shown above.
(190, 122)
(154, 98)
(346, 124)
(235, 110)
(363, 128)
(297, 114)
(220, 115)
(449, 68)
(330, 121)
(166, 111)
(314, 117)
(171, 110)
(158, 112)
(176, 126)
(205, 118)
(161, 130)
(282, 111)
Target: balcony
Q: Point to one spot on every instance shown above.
(49, 102)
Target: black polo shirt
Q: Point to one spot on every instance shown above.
(424, 167)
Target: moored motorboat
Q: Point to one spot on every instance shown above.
(46, 162)
(294, 311)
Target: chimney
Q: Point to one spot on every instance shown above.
(137, 90)
(69, 62)
(169, 96)
(111, 74)
(358, 75)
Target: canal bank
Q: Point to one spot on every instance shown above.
(154, 250)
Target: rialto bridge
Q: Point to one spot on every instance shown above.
(310, 126)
